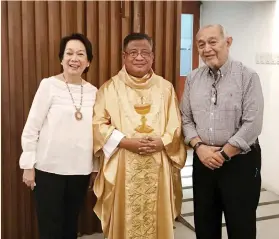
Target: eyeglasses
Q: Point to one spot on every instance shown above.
(134, 54)
(214, 94)
(214, 89)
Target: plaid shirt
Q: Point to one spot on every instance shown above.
(223, 108)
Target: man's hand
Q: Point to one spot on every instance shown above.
(28, 177)
(91, 180)
(210, 156)
(133, 145)
(153, 145)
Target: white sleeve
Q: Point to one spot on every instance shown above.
(35, 120)
(112, 143)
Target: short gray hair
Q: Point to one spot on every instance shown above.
(222, 29)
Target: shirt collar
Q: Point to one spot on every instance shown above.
(223, 70)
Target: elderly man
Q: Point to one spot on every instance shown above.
(137, 135)
(222, 114)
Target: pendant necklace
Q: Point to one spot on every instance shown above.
(78, 114)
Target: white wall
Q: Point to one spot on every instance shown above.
(252, 26)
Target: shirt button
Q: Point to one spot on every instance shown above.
(212, 144)
(210, 129)
(211, 113)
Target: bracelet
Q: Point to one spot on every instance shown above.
(197, 145)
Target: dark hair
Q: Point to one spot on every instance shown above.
(79, 37)
(136, 36)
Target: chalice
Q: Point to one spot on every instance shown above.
(143, 109)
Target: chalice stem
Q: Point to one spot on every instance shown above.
(143, 120)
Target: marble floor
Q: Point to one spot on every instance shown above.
(181, 232)
(267, 213)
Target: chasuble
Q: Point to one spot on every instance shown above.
(138, 197)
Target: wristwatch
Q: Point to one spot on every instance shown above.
(225, 156)
(198, 144)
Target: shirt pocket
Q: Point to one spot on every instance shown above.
(230, 100)
(230, 111)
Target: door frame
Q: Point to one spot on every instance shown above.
(191, 7)
(194, 9)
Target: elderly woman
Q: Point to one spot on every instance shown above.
(57, 142)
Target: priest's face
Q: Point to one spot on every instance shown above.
(138, 58)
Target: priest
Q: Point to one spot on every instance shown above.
(137, 137)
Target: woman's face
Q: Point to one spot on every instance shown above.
(74, 59)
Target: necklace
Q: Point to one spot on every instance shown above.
(78, 114)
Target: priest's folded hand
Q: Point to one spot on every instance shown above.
(152, 145)
(133, 145)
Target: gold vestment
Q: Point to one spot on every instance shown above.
(138, 197)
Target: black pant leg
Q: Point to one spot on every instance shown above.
(49, 198)
(77, 186)
(207, 204)
(240, 184)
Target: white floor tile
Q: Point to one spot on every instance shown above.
(187, 171)
(186, 182)
(187, 207)
(268, 210)
(182, 232)
(267, 196)
(189, 160)
(224, 233)
(268, 229)
(187, 193)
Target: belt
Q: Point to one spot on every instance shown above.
(255, 145)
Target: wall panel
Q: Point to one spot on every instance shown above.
(31, 32)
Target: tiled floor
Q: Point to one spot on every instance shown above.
(181, 232)
(266, 229)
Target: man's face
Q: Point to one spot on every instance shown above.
(213, 47)
(138, 58)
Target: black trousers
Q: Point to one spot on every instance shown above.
(58, 201)
(233, 189)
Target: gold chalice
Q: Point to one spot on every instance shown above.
(143, 109)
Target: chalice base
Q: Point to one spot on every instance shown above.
(144, 129)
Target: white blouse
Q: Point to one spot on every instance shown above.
(53, 140)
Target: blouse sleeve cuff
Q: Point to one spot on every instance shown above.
(27, 160)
